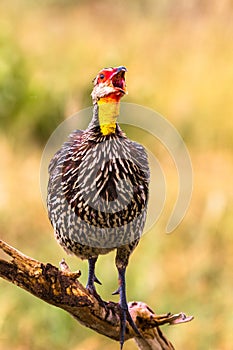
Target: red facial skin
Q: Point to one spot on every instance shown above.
(114, 78)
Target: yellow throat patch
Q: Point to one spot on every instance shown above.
(108, 113)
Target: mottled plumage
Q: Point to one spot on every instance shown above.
(98, 187)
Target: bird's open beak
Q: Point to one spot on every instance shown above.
(118, 79)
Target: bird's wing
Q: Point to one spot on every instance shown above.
(142, 156)
(74, 138)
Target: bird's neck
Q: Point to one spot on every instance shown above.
(106, 111)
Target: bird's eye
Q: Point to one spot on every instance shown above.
(101, 76)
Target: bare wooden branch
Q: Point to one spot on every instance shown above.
(61, 288)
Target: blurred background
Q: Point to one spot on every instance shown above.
(179, 56)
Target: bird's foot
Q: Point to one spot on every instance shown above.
(91, 287)
(125, 315)
(124, 311)
(92, 290)
(91, 284)
(92, 279)
(132, 323)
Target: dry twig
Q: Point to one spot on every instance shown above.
(61, 288)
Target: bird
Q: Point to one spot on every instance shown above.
(98, 189)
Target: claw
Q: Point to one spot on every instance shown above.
(122, 327)
(125, 315)
(96, 280)
(132, 323)
(116, 291)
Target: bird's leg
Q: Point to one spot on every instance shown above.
(124, 308)
(92, 279)
(124, 314)
(91, 276)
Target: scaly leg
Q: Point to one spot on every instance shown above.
(122, 291)
(91, 276)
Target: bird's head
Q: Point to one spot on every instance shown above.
(109, 85)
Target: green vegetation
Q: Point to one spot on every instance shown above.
(24, 105)
(179, 57)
